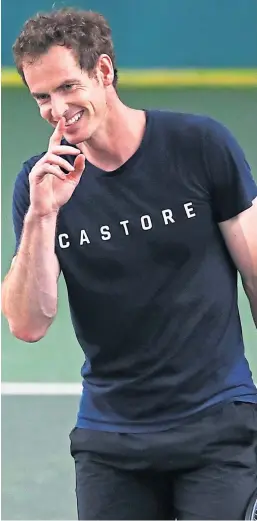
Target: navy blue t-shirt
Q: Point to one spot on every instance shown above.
(152, 289)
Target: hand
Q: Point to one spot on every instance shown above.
(50, 188)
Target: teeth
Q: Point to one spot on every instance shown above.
(74, 119)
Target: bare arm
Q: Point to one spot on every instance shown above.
(240, 235)
(29, 291)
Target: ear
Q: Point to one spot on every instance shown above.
(105, 69)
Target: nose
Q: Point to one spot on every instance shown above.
(58, 107)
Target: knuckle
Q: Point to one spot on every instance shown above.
(54, 151)
(34, 170)
(47, 156)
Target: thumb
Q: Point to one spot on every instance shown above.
(79, 163)
(79, 167)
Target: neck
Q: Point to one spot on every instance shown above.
(117, 138)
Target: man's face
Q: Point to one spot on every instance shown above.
(62, 88)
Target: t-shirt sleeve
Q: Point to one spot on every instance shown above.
(232, 184)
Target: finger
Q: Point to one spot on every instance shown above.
(62, 150)
(79, 167)
(57, 135)
(65, 150)
(45, 169)
(57, 160)
(79, 164)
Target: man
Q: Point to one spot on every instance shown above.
(149, 215)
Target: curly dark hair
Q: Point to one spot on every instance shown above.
(87, 33)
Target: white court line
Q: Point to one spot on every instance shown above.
(40, 388)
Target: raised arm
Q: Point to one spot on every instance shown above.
(29, 290)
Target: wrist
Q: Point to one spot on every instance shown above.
(33, 216)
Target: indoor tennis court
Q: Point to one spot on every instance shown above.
(37, 471)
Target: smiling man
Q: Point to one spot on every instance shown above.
(150, 215)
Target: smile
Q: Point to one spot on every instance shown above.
(74, 119)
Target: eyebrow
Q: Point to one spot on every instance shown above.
(65, 82)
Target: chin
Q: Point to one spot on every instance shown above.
(77, 137)
(72, 139)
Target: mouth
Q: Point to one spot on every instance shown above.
(74, 119)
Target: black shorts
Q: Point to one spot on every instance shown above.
(206, 469)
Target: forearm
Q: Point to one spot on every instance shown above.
(250, 288)
(29, 293)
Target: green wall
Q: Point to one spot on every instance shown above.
(160, 33)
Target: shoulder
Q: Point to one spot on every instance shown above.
(178, 120)
(210, 137)
(27, 165)
(186, 129)
(21, 183)
(192, 124)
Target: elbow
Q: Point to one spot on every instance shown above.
(250, 286)
(27, 335)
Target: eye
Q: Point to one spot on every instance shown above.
(68, 86)
(41, 98)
